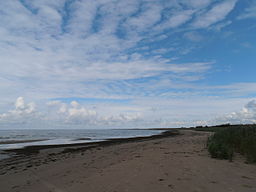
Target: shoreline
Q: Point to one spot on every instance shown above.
(21, 141)
(34, 149)
(6, 145)
(167, 162)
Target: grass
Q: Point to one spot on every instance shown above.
(230, 139)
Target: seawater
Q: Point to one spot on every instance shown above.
(22, 138)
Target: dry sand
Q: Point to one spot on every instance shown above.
(179, 163)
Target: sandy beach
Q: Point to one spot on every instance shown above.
(165, 163)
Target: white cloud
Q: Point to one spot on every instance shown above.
(251, 106)
(78, 115)
(120, 119)
(147, 19)
(249, 13)
(104, 49)
(74, 104)
(20, 103)
(63, 108)
(193, 36)
(21, 113)
(221, 25)
(177, 19)
(142, 112)
(77, 111)
(215, 14)
(21, 108)
(246, 116)
(236, 89)
(47, 46)
(196, 3)
(53, 103)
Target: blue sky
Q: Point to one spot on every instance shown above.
(119, 64)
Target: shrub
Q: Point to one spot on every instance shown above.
(227, 140)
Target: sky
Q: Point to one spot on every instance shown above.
(127, 64)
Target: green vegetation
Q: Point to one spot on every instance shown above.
(211, 129)
(229, 139)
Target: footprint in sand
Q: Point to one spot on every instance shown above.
(245, 177)
(247, 186)
(15, 186)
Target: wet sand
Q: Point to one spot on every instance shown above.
(21, 141)
(160, 163)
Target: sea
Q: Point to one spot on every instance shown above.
(14, 139)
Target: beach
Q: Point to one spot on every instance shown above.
(167, 162)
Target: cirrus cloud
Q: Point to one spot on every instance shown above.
(118, 51)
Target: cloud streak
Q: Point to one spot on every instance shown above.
(249, 13)
(103, 49)
(215, 14)
(246, 116)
